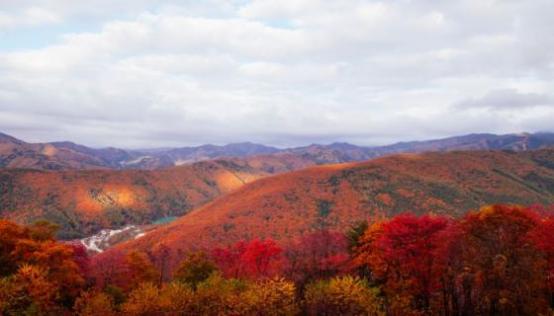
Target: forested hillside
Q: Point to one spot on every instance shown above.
(335, 197)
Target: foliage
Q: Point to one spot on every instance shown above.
(31, 255)
(256, 258)
(139, 270)
(218, 296)
(177, 298)
(270, 297)
(543, 238)
(355, 233)
(196, 268)
(321, 254)
(214, 296)
(494, 261)
(143, 300)
(504, 271)
(342, 296)
(401, 255)
(109, 270)
(498, 260)
(28, 292)
(94, 303)
(123, 270)
(10, 235)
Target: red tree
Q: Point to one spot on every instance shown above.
(109, 268)
(543, 238)
(317, 255)
(403, 255)
(503, 272)
(254, 259)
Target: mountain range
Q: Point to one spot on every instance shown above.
(15, 153)
(85, 190)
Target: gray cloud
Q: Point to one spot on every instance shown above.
(508, 99)
(281, 72)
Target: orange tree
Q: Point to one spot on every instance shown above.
(31, 255)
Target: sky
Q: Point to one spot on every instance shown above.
(139, 73)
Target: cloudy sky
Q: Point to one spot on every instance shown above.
(140, 73)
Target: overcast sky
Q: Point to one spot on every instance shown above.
(139, 73)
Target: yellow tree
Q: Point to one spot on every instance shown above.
(342, 296)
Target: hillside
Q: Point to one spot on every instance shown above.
(336, 196)
(15, 153)
(82, 202)
(86, 201)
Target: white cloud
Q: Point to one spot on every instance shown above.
(285, 72)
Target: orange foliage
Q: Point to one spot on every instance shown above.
(334, 197)
(39, 272)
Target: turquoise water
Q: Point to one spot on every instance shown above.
(164, 220)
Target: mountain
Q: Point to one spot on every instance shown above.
(83, 202)
(344, 152)
(15, 153)
(186, 155)
(515, 142)
(285, 206)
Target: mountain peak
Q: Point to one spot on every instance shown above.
(5, 138)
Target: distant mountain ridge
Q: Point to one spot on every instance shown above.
(15, 153)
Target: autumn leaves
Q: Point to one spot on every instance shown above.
(495, 261)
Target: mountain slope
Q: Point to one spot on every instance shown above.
(336, 196)
(85, 201)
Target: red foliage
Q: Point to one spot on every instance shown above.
(109, 269)
(543, 238)
(80, 256)
(503, 273)
(254, 259)
(403, 254)
(316, 255)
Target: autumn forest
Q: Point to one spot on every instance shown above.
(498, 260)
